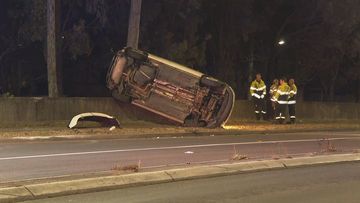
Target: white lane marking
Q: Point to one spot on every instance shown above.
(165, 148)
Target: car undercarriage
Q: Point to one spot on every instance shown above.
(170, 90)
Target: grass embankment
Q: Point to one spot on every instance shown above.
(147, 129)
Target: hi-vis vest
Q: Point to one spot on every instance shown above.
(273, 90)
(258, 89)
(282, 94)
(292, 93)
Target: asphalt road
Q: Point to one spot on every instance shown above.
(321, 184)
(42, 159)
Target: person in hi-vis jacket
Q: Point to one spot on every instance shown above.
(281, 97)
(258, 92)
(273, 89)
(292, 100)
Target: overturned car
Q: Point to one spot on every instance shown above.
(168, 89)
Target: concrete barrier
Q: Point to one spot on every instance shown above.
(26, 109)
(307, 110)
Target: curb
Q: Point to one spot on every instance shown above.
(43, 190)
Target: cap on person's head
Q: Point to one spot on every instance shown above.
(291, 80)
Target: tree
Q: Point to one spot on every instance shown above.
(173, 29)
(53, 51)
(134, 24)
(22, 31)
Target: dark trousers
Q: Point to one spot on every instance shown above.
(260, 107)
(273, 109)
(292, 112)
(280, 112)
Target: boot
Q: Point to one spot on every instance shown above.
(281, 121)
(292, 120)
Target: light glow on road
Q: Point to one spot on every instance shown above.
(234, 127)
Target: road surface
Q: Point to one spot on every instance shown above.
(320, 184)
(43, 159)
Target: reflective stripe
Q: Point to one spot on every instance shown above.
(280, 116)
(258, 89)
(273, 90)
(292, 91)
(283, 93)
(292, 102)
(255, 95)
(261, 88)
(292, 116)
(282, 102)
(277, 118)
(264, 112)
(257, 111)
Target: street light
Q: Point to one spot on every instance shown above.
(281, 42)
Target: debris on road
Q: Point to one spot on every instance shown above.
(131, 168)
(237, 156)
(326, 145)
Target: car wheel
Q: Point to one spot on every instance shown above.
(210, 82)
(136, 54)
(202, 124)
(225, 110)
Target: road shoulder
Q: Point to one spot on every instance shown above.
(59, 188)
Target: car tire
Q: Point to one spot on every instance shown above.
(202, 124)
(210, 82)
(225, 110)
(136, 54)
(193, 121)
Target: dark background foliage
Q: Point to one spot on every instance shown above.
(228, 39)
